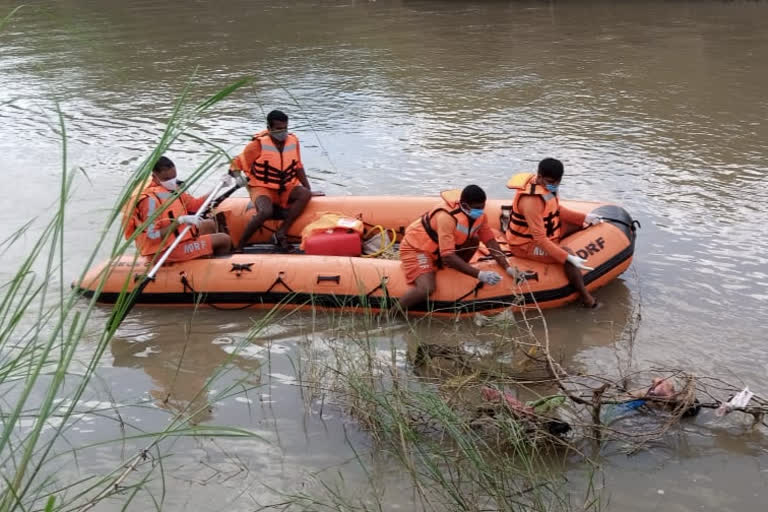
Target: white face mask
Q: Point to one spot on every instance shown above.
(170, 184)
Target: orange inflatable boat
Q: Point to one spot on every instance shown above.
(260, 278)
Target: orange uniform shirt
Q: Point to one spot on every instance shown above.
(446, 226)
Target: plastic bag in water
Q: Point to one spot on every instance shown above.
(740, 399)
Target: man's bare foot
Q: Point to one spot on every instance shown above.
(590, 302)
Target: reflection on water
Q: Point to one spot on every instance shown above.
(181, 362)
(659, 106)
(572, 332)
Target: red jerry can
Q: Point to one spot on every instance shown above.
(335, 242)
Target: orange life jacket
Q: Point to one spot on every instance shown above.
(518, 232)
(274, 168)
(422, 233)
(150, 241)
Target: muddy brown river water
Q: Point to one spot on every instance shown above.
(659, 106)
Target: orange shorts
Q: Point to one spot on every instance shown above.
(278, 198)
(192, 248)
(416, 263)
(531, 251)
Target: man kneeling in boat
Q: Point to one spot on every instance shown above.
(276, 178)
(448, 234)
(201, 241)
(538, 223)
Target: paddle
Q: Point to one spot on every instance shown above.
(119, 314)
(222, 197)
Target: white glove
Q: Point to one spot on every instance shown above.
(512, 272)
(192, 220)
(591, 219)
(578, 262)
(239, 177)
(228, 181)
(489, 277)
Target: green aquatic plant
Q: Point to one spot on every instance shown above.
(8, 17)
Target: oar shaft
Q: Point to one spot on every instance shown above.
(223, 196)
(168, 252)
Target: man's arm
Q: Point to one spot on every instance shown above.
(446, 225)
(191, 203)
(532, 208)
(497, 253)
(571, 216)
(453, 261)
(300, 173)
(244, 160)
(302, 176)
(485, 235)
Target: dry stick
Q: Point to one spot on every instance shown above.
(557, 373)
(596, 396)
(555, 369)
(683, 400)
(139, 457)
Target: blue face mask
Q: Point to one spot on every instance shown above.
(474, 213)
(552, 188)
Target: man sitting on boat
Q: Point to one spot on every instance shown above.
(448, 235)
(538, 223)
(201, 241)
(276, 178)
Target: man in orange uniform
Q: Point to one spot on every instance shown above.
(276, 178)
(448, 234)
(201, 241)
(538, 223)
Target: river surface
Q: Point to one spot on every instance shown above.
(659, 106)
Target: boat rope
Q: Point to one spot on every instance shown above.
(188, 289)
(381, 286)
(634, 225)
(470, 292)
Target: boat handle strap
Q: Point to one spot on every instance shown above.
(470, 292)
